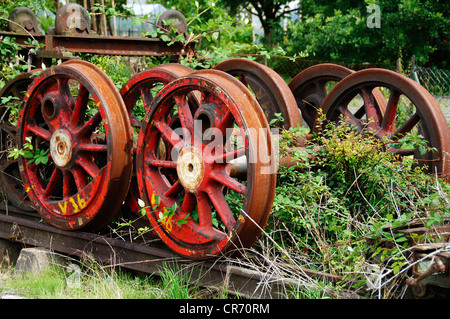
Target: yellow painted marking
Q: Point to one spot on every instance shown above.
(167, 222)
(77, 205)
(81, 202)
(63, 208)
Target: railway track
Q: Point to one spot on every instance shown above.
(27, 228)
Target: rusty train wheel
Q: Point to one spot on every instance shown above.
(195, 204)
(138, 94)
(271, 91)
(146, 84)
(11, 181)
(74, 115)
(311, 86)
(410, 110)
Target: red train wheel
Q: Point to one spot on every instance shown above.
(410, 110)
(271, 91)
(9, 167)
(311, 86)
(197, 208)
(75, 115)
(138, 94)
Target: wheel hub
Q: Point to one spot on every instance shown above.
(190, 168)
(61, 148)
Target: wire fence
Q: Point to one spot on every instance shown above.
(436, 81)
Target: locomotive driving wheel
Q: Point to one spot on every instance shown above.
(9, 167)
(196, 205)
(410, 111)
(269, 88)
(137, 95)
(311, 86)
(74, 116)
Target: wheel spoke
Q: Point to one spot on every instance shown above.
(185, 114)
(41, 132)
(360, 113)
(147, 96)
(79, 110)
(66, 184)
(188, 205)
(53, 183)
(169, 134)
(226, 122)
(204, 210)
(391, 111)
(173, 190)
(87, 147)
(89, 127)
(218, 200)
(161, 163)
(350, 118)
(406, 127)
(79, 177)
(220, 176)
(370, 108)
(89, 166)
(228, 156)
(403, 152)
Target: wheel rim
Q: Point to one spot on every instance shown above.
(311, 86)
(271, 91)
(425, 116)
(137, 95)
(68, 112)
(9, 167)
(186, 187)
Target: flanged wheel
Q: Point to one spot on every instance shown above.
(74, 116)
(138, 94)
(311, 86)
(177, 18)
(196, 205)
(269, 88)
(410, 110)
(9, 167)
(22, 20)
(72, 19)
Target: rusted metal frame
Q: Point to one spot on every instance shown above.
(105, 45)
(126, 46)
(436, 275)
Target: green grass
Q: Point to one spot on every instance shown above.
(92, 281)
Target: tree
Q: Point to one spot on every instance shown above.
(419, 28)
(269, 12)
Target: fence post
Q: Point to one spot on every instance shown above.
(414, 69)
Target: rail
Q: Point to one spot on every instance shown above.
(28, 229)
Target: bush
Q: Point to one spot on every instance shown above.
(337, 208)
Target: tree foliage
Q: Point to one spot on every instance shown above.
(338, 31)
(269, 12)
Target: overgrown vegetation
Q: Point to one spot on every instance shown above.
(335, 212)
(341, 209)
